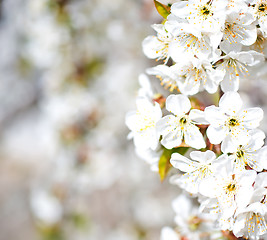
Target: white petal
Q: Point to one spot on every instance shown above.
(182, 163)
(168, 233)
(230, 81)
(215, 116)
(261, 180)
(180, 9)
(193, 137)
(262, 157)
(257, 140)
(172, 139)
(178, 104)
(240, 225)
(202, 157)
(230, 102)
(198, 116)
(207, 187)
(130, 120)
(251, 117)
(228, 145)
(216, 135)
(166, 124)
(150, 46)
(186, 204)
(247, 178)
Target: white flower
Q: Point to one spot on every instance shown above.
(167, 75)
(237, 6)
(230, 124)
(46, 207)
(238, 29)
(190, 76)
(259, 9)
(188, 40)
(175, 128)
(250, 220)
(203, 14)
(158, 46)
(196, 75)
(146, 90)
(231, 189)
(192, 224)
(197, 169)
(235, 65)
(261, 44)
(142, 123)
(168, 233)
(249, 153)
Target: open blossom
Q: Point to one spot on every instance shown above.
(157, 47)
(249, 154)
(188, 41)
(229, 123)
(259, 10)
(181, 125)
(190, 76)
(197, 169)
(196, 75)
(167, 75)
(235, 65)
(203, 14)
(238, 30)
(142, 123)
(192, 224)
(231, 189)
(250, 221)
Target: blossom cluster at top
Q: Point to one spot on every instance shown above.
(207, 45)
(210, 43)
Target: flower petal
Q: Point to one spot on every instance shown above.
(178, 104)
(251, 117)
(215, 116)
(198, 117)
(216, 135)
(193, 137)
(182, 163)
(231, 102)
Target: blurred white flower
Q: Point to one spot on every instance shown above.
(46, 207)
(142, 123)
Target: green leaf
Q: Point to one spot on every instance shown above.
(164, 161)
(162, 9)
(181, 150)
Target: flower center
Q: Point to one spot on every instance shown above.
(183, 120)
(205, 11)
(194, 223)
(262, 7)
(233, 122)
(231, 187)
(240, 154)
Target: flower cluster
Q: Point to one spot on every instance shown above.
(211, 46)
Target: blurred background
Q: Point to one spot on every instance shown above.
(69, 73)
